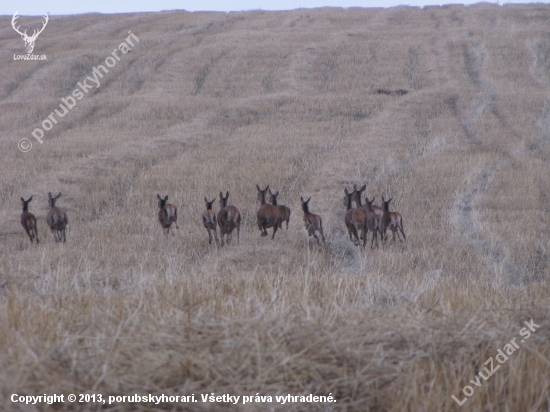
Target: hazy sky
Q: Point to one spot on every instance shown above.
(37, 7)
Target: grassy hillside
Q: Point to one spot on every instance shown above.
(304, 101)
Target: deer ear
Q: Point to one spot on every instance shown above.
(30, 198)
(363, 188)
(383, 199)
(227, 194)
(390, 199)
(277, 194)
(49, 195)
(373, 199)
(307, 201)
(22, 199)
(258, 187)
(213, 200)
(165, 198)
(221, 195)
(346, 191)
(302, 199)
(205, 199)
(58, 196)
(158, 196)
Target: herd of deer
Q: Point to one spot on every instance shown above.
(358, 220)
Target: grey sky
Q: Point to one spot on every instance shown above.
(37, 7)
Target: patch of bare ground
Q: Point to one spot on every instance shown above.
(445, 109)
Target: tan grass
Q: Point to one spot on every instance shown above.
(224, 101)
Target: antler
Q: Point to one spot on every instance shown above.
(35, 34)
(24, 34)
(15, 16)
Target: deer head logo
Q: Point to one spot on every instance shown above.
(29, 40)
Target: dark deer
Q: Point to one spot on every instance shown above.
(285, 210)
(209, 221)
(56, 219)
(229, 218)
(355, 219)
(391, 220)
(312, 222)
(28, 220)
(168, 214)
(267, 215)
(375, 208)
(373, 221)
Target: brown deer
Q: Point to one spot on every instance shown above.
(229, 218)
(168, 214)
(285, 210)
(373, 221)
(209, 221)
(28, 220)
(391, 220)
(267, 215)
(376, 209)
(312, 222)
(56, 219)
(355, 219)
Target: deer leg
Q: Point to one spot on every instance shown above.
(274, 231)
(216, 236)
(28, 232)
(402, 232)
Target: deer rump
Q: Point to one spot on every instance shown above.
(228, 218)
(269, 216)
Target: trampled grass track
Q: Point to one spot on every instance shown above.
(214, 101)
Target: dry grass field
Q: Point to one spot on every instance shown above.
(303, 101)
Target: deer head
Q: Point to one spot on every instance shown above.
(29, 40)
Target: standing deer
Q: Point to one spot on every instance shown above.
(312, 222)
(373, 221)
(56, 219)
(168, 214)
(376, 209)
(29, 40)
(229, 218)
(285, 210)
(267, 215)
(28, 220)
(391, 220)
(209, 221)
(355, 219)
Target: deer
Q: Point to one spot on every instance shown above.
(229, 218)
(29, 40)
(56, 219)
(28, 221)
(209, 220)
(376, 209)
(373, 221)
(285, 210)
(267, 215)
(355, 219)
(168, 214)
(391, 220)
(312, 222)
